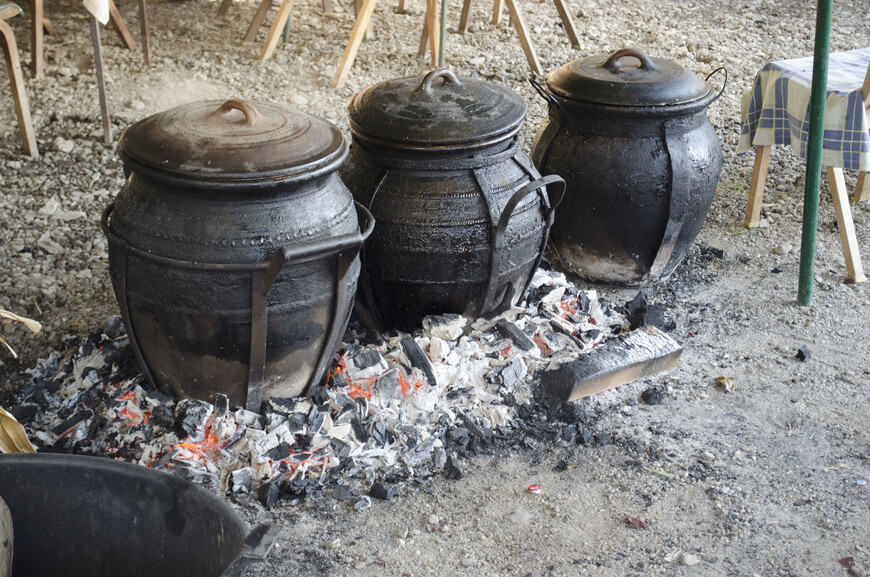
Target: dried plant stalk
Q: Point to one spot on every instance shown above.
(13, 438)
(31, 324)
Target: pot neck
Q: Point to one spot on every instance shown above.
(435, 158)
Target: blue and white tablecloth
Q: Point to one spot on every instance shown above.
(776, 109)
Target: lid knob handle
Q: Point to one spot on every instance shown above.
(252, 115)
(612, 63)
(431, 77)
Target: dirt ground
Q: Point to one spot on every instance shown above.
(767, 479)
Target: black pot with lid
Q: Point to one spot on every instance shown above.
(233, 248)
(463, 215)
(630, 135)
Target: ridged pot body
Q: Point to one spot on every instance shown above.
(639, 184)
(187, 263)
(437, 247)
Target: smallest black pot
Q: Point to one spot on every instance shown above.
(630, 136)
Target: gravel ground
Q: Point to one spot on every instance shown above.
(767, 479)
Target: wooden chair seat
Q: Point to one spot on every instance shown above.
(16, 79)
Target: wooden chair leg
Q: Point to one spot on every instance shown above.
(862, 188)
(16, 81)
(120, 27)
(525, 40)
(463, 19)
(432, 23)
(403, 6)
(101, 81)
(356, 36)
(497, 10)
(370, 33)
(568, 23)
(843, 211)
(36, 40)
(756, 186)
(328, 7)
(259, 18)
(276, 29)
(224, 8)
(424, 38)
(143, 29)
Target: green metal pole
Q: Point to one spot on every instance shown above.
(443, 33)
(814, 151)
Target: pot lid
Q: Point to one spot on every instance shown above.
(232, 140)
(436, 109)
(627, 77)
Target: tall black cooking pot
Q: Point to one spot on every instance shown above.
(630, 136)
(76, 516)
(233, 248)
(463, 215)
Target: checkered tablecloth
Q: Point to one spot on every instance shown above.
(777, 109)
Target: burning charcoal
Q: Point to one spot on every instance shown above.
(267, 494)
(340, 431)
(640, 314)
(223, 425)
(163, 416)
(509, 375)
(79, 434)
(653, 396)
(418, 359)
(297, 422)
(712, 251)
(458, 435)
(242, 480)
(511, 331)
(24, 413)
(380, 434)
(473, 428)
(591, 336)
(192, 418)
(367, 364)
(341, 492)
(448, 327)
(568, 435)
(114, 327)
(156, 398)
(803, 353)
(319, 396)
(281, 452)
(438, 349)
(359, 431)
(275, 420)
(315, 421)
(362, 503)
(388, 387)
(452, 468)
(383, 492)
(284, 406)
(420, 454)
(439, 458)
(340, 448)
(67, 426)
(248, 418)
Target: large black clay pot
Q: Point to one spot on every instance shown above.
(630, 136)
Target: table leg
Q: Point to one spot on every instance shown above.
(356, 36)
(36, 40)
(463, 18)
(432, 22)
(756, 186)
(101, 82)
(862, 188)
(497, 10)
(848, 239)
(224, 8)
(525, 40)
(424, 38)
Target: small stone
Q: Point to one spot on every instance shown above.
(362, 503)
(653, 396)
(478, 61)
(433, 519)
(467, 561)
(763, 223)
(803, 354)
(452, 469)
(136, 104)
(334, 544)
(61, 144)
(783, 248)
(298, 99)
(689, 560)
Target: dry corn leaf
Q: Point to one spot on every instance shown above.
(33, 325)
(13, 439)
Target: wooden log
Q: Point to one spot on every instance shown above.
(418, 358)
(631, 357)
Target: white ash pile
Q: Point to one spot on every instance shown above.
(395, 408)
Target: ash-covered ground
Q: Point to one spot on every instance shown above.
(767, 476)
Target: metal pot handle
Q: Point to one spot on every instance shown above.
(252, 115)
(724, 84)
(544, 91)
(431, 77)
(255, 548)
(498, 235)
(612, 63)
